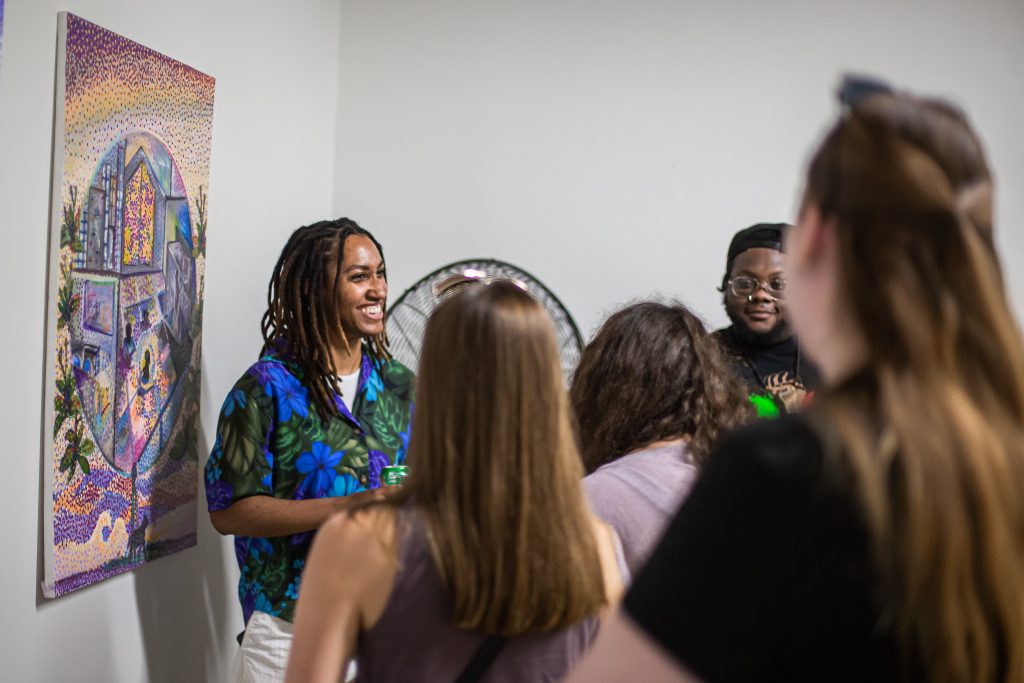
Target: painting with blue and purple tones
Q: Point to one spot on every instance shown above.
(128, 263)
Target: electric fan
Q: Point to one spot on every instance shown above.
(407, 316)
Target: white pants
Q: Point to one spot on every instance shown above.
(263, 656)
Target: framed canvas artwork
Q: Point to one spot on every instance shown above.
(131, 163)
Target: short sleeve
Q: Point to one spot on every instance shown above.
(763, 563)
(240, 463)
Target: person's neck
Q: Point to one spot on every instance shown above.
(761, 341)
(843, 352)
(347, 358)
(663, 443)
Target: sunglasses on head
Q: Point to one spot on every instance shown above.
(855, 89)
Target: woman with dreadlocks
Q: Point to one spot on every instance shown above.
(307, 429)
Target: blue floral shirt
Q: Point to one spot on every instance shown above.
(272, 442)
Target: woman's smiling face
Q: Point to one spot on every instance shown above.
(362, 289)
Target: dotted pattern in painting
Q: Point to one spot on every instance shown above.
(128, 306)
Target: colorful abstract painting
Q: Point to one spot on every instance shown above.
(131, 162)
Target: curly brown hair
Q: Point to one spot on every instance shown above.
(650, 374)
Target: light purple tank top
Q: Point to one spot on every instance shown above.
(638, 494)
(414, 639)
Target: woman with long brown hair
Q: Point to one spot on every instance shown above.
(652, 393)
(880, 536)
(489, 549)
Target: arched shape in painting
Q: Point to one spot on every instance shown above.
(135, 275)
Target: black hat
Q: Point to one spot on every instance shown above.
(763, 235)
(767, 235)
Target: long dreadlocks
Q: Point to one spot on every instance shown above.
(302, 305)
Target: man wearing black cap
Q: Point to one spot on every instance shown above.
(760, 342)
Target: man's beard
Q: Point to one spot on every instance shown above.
(779, 332)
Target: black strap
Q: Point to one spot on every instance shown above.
(482, 659)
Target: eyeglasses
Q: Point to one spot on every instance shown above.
(745, 285)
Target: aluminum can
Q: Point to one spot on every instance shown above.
(393, 475)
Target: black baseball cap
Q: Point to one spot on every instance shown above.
(767, 235)
(759, 235)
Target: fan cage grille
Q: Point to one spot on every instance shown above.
(407, 317)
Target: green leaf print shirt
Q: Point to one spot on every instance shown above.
(272, 442)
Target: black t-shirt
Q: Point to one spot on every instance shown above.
(774, 370)
(765, 574)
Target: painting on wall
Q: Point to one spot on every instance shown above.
(128, 240)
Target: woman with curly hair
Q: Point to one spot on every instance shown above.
(652, 393)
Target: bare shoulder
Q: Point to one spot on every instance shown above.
(358, 525)
(371, 530)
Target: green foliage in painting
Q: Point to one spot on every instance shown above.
(67, 301)
(200, 241)
(77, 450)
(65, 402)
(71, 215)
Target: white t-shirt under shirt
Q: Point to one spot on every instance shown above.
(348, 385)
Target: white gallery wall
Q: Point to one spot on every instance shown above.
(612, 148)
(272, 166)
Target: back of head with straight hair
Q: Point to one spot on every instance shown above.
(494, 467)
(935, 438)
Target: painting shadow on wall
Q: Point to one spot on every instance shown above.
(185, 605)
